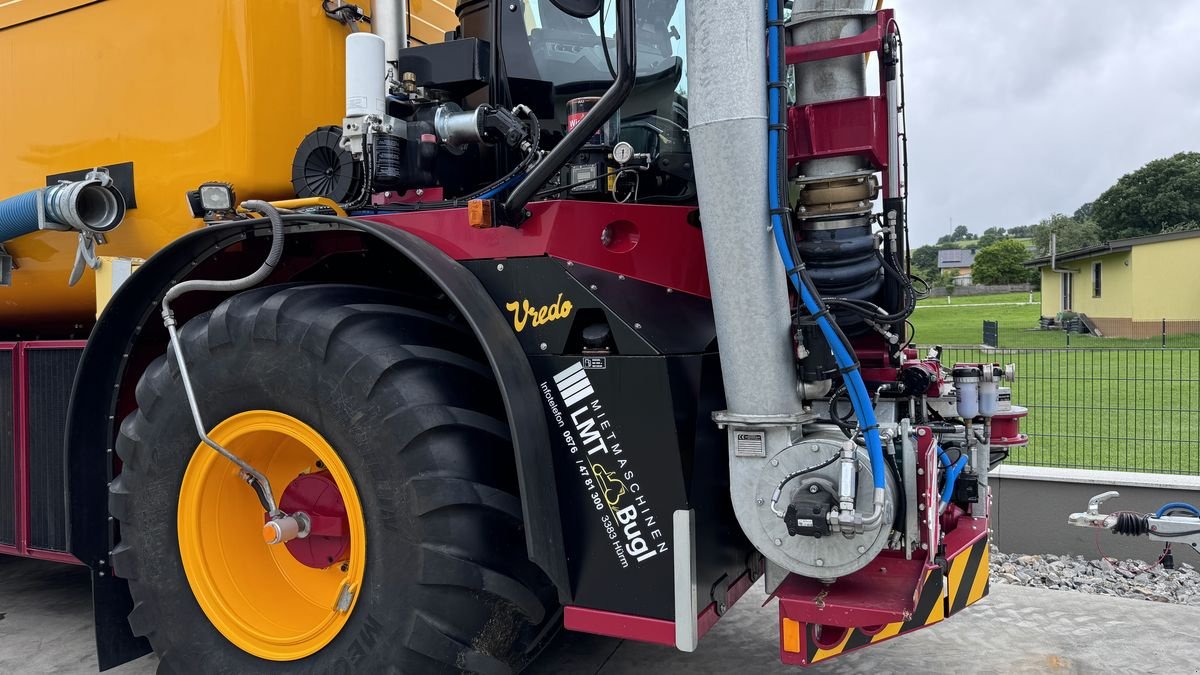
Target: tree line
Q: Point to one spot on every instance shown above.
(1162, 196)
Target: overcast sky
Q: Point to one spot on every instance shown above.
(1020, 109)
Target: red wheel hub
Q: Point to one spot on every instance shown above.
(328, 541)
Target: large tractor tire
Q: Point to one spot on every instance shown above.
(373, 410)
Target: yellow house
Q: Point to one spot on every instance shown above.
(1127, 287)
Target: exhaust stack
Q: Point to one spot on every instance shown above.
(389, 20)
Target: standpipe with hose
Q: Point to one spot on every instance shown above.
(794, 481)
(281, 527)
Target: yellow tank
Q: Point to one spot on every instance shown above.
(187, 90)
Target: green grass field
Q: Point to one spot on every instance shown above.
(1102, 403)
(961, 323)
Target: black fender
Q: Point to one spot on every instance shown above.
(132, 315)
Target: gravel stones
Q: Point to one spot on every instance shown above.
(1125, 578)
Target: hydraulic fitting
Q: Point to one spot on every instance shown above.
(286, 528)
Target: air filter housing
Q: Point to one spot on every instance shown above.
(322, 168)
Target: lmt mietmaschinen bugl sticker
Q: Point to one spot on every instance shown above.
(605, 469)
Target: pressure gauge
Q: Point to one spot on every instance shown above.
(622, 152)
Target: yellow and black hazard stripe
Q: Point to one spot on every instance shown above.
(930, 609)
(968, 577)
(965, 583)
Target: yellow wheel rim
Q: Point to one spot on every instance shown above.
(256, 594)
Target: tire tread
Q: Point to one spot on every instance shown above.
(419, 349)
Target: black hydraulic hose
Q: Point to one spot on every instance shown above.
(513, 209)
(604, 42)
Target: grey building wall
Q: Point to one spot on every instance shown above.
(1030, 506)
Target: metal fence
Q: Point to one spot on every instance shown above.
(1114, 408)
(1094, 333)
(940, 291)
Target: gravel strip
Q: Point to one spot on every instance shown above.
(1125, 579)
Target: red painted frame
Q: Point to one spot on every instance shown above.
(866, 42)
(853, 126)
(656, 244)
(648, 629)
(21, 512)
(885, 591)
(18, 500)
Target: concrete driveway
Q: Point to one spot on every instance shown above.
(45, 627)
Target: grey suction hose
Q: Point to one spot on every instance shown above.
(256, 479)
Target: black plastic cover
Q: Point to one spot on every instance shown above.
(322, 168)
(458, 67)
(916, 380)
(808, 516)
(966, 488)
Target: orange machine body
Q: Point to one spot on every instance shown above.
(187, 91)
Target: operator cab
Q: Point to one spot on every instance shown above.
(550, 58)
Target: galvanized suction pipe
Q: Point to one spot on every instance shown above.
(727, 87)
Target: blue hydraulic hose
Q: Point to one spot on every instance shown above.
(503, 186)
(18, 215)
(952, 477)
(943, 457)
(1176, 505)
(860, 399)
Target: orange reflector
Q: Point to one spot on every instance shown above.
(791, 636)
(270, 533)
(479, 213)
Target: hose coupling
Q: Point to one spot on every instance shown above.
(847, 483)
(847, 194)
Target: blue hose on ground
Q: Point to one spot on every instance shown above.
(860, 399)
(19, 215)
(1176, 505)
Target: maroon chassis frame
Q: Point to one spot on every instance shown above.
(18, 352)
